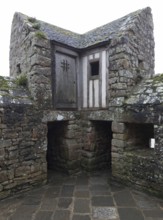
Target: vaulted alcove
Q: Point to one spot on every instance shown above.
(139, 136)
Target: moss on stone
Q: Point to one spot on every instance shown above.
(21, 80)
(40, 35)
(158, 78)
(36, 26)
(3, 83)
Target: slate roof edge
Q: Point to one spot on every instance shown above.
(96, 36)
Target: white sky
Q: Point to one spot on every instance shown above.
(78, 16)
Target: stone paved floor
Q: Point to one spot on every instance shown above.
(81, 197)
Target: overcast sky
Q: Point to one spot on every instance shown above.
(78, 16)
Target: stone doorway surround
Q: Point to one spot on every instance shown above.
(75, 143)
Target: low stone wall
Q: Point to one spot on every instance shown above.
(79, 140)
(76, 144)
(141, 170)
(23, 141)
(22, 149)
(133, 162)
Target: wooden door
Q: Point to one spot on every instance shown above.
(65, 81)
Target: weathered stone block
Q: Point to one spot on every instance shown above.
(120, 136)
(119, 86)
(35, 174)
(115, 155)
(35, 168)
(118, 143)
(5, 143)
(10, 186)
(118, 127)
(2, 153)
(10, 174)
(43, 71)
(41, 43)
(117, 101)
(13, 154)
(22, 171)
(4, 193)
(40, 60)
(3, 176)
(116, 149)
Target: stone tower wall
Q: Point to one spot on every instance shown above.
(131, 57)
(30, 55)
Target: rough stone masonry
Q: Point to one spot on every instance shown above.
(81, 102)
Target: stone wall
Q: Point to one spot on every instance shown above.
(118, 146)
(22, 149)
(30, 55)
(76, 143)
(64, 146)
(132, 160)
(130, 50)
(23, 141)
(96, 150)
(131, 57)
(141, 170)
(81, 139)
(79, 144)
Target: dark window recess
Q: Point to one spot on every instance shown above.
(18, 68)
(94, 68)
(140, 64)
(140, 136)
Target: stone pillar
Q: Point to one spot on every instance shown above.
(118, 145)
(96, 151)
(64, 143)
(73, 145)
